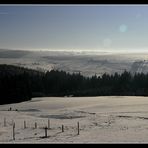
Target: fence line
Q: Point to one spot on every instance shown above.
(46, 128)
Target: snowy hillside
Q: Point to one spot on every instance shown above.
(101, 119)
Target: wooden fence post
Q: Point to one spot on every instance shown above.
(35, 125)
(48, 124)
(4, 122)
(46, 132)
(14, 131)
(24, 124)
(78, 128)
(62, 128)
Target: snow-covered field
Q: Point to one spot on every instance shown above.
(110, 119)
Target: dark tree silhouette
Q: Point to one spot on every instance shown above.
(19, 84)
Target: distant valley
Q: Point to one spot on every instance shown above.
(87, 63)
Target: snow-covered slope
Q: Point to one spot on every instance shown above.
(101, 119)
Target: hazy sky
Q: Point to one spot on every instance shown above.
(71, 27)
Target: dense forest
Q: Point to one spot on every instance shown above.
(19, 84)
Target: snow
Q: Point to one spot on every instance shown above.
(107, 119)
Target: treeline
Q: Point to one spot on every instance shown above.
(15, 83)
(19, 84)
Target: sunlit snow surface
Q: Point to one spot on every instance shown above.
(101, 119)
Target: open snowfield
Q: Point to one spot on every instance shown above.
(111, 119)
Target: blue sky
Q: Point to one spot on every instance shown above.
(74, 27)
